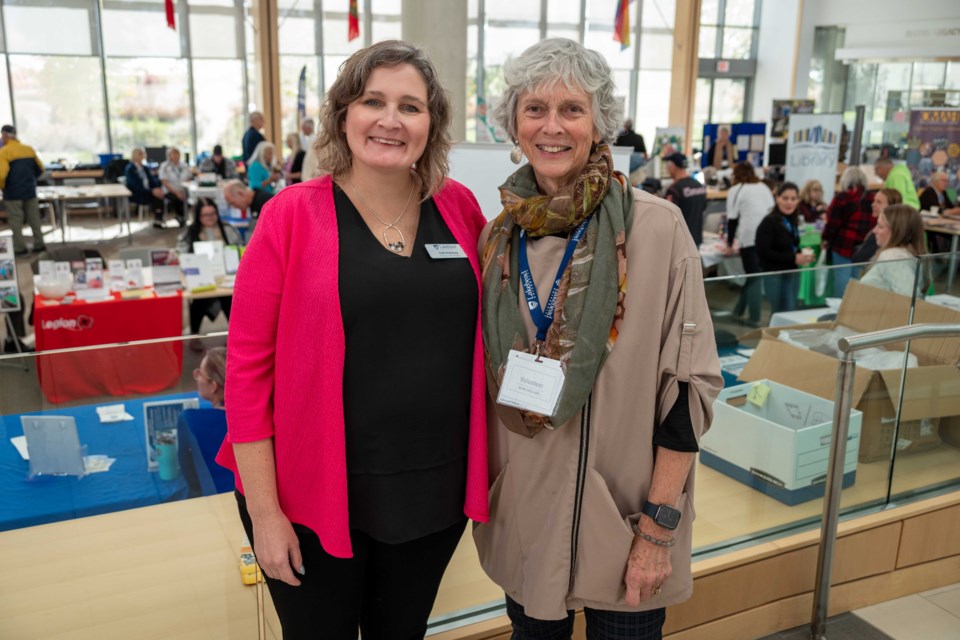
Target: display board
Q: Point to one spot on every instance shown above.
(780, 118)
(9, 284)
(749, 139)
(813, 146)
(934, 143)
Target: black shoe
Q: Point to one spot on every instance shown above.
(10, 347)
(20, 254)
(40, 249)
(159, 225)
(182, 222)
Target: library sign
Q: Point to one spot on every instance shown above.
(813, 144)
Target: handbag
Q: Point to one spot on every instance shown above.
(820, 274)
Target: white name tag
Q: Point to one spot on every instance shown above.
(531, 385)
(445, 251)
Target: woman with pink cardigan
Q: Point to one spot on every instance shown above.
(356, 409)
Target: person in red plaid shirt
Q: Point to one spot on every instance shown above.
(849, 220)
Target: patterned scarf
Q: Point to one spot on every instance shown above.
(588, 312)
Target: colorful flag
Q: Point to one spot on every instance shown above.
(302, 97)
(621, 27)
(353, 28)
(171, 21)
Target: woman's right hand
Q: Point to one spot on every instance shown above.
(277, 548)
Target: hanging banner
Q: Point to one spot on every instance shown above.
(934, 143)
(353, 20)
(621, 26)
(302, 97)
(813, 145)
(171, 21)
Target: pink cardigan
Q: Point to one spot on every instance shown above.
(286, 354)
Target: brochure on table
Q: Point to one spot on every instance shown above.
(160, 420)
(197, 272)
(166, 267)
(9, 284)
(225, 259)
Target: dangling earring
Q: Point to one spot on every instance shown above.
(516, 155)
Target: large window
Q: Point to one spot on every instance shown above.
(499, 29)
(727, 52)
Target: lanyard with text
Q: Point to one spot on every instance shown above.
(543, 318)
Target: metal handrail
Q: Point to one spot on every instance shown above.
(838, 446)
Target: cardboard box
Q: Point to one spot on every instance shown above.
(931, 390)
(778, 444)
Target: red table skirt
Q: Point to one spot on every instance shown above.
(115, 371)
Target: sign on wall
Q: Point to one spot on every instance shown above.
(780, 118)
(934, 143)
(813, 144)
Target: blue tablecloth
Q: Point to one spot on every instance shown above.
(127, 485)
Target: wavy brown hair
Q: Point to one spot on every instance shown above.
(331, 147)
(744, 173)
(906, 229)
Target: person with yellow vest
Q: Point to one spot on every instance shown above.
(19, 169)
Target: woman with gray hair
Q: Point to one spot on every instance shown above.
(601, 363)
(849, 220)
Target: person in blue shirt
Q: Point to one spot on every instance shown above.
(262, 173)
(145, 188)
(253, 137)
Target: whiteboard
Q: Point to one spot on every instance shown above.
(483, 167)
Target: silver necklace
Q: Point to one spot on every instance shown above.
(399, 245)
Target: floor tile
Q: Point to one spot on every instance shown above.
(949, 601)
(933, 592)
(912, 618)
(842, 627)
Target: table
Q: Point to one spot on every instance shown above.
(77, 173)
(60, 195)
(949, 226)
(127, 485)
(113, 371)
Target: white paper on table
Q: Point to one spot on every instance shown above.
(97, 463)
(833, 303)
(20, 442)
(113, 413)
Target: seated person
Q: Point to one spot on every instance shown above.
(261, 172)
(630, 138)
(145, 188)
(241, 197)
(900, 238)
(224, 167)
(203, 478)
(207, 227)
(174, 175)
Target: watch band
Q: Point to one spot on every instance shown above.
(663, 514)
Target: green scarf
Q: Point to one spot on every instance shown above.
(588, 313)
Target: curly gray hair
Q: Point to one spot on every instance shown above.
(851, 177)
(560, 60)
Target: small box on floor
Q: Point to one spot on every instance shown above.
(777, 440)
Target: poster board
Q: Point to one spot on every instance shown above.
(160, 420)
(748, 138)
(933, 143)
(813, 145)
(9, 283)
(668, 140)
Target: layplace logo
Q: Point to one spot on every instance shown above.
(80, 323)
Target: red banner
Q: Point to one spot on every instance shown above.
(171, 21)
(353, 27)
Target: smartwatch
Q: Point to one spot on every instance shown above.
(663, 514)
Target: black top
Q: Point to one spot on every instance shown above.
(260, 198)
(930, 198)
(631, 139)
(410, 325)
(778, 242)
(691, 197)
(297, 165)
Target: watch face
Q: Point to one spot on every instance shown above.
(668, 517)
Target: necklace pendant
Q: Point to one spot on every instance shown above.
(396, 245)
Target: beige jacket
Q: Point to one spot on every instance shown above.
(598, 472)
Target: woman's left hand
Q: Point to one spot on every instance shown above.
(648, 567)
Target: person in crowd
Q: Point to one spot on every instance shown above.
(240, 196)
(630, 138)
(262, 172)
(778, 249)
(900, 238)
(210, 378)
(748, 201)
(688, 194)
(224, 167)
(849, 220)
(145, 188)
(935, 195)
(882, 199)
(173, 175)
(307, 133)
(252, 137)
(355, 507)
(19, 169)
(293, 165)
(812, 207)
(897, 176)
(722, 153)
(207, 227)
(629, 299)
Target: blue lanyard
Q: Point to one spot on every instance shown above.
(793, 231)
(543, 317)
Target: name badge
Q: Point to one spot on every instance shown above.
(445, 251)
(530, 384)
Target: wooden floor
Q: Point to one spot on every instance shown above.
(170, 571)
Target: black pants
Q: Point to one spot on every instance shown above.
(385, 590)
(601, 625)
(750, 294)
(177, 206)
(209, 307)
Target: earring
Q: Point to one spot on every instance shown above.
(516, 155)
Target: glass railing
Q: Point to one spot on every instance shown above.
(146, 532)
